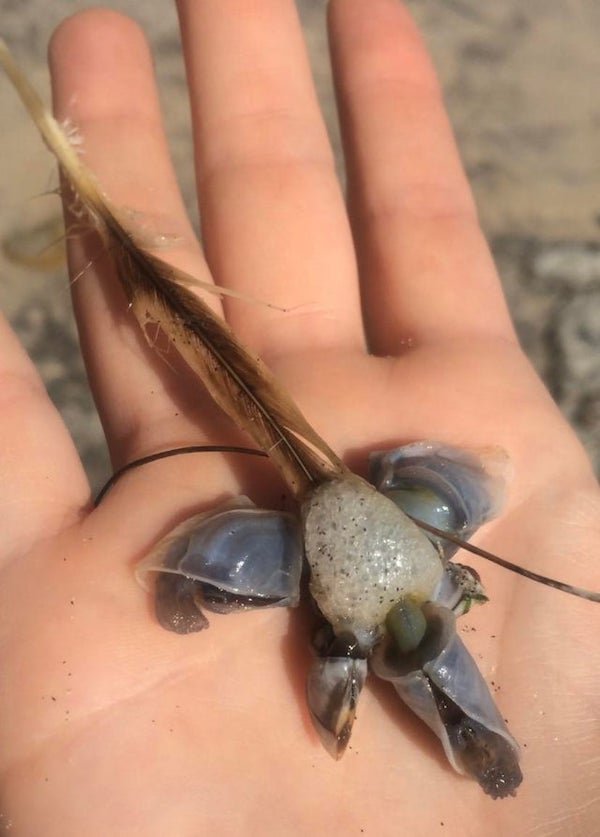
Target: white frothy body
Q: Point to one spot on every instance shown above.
(365, 555)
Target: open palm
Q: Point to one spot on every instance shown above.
(110, 725)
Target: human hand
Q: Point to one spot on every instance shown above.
(110, 725)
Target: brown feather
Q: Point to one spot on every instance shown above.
(239, 383)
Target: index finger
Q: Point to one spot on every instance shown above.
(42, 483)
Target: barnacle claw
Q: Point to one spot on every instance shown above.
(441, 683)
(460, 587)
(333, 688)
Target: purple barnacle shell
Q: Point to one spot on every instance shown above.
(332, 690)
(442, 685)
(455, 490)
(235, 557)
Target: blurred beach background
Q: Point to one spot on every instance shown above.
(521, 85)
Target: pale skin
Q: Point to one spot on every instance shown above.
(111, 725)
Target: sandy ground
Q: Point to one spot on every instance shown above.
(521, 86)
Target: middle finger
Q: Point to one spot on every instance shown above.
(273, 216)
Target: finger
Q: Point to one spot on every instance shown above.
(274, 223)
(103, 83)
(426, 269)
(42, 484)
